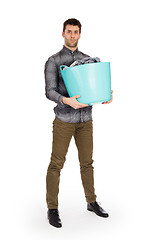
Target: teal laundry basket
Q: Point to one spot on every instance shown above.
(91, 81)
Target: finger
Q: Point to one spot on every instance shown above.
(83, 105)
(77, 96)
(80, 104)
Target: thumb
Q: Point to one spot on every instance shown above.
(77, 96)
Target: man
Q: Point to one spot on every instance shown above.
(72, 119)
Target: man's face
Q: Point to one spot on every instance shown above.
(71, 36)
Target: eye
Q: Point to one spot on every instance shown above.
(76, 32)
(69, 31)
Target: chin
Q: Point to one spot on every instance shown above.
(73, 45)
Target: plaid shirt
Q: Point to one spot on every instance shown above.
(55, 88)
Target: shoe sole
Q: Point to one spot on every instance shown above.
(54, 224)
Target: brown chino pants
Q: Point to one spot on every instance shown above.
(62, 134)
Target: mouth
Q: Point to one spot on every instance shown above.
(72, 40)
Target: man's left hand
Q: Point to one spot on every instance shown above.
(111, 98)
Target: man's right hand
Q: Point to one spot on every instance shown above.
(71, 101)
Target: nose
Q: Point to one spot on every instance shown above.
(72, 35)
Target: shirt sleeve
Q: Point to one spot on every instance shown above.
(51, 81)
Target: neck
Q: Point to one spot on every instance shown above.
(71, 48)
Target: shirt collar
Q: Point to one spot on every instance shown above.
(67, 50)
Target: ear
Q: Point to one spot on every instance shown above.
(62, 34)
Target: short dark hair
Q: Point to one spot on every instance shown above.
(72, 21)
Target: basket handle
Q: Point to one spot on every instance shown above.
(63, 66)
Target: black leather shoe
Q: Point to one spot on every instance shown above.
(53, 217)
(94, 207)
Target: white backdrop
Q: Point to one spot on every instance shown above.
(120, 32)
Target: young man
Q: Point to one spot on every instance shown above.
(71, 119)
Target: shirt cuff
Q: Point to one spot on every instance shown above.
(61, 99)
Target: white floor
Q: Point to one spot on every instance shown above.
(123, 187)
